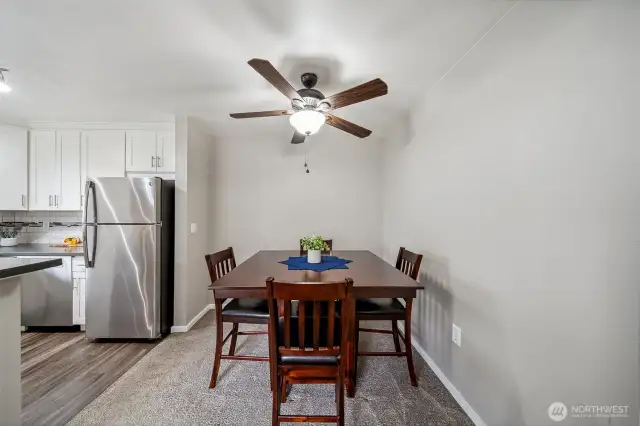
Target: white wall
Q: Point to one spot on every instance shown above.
(519, 181)
(193, 144)
(263, 199)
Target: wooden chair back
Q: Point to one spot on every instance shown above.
(409, 263)
(313, 299)
(220, 263)
(329, 243)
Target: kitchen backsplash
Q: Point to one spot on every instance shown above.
(44, 227)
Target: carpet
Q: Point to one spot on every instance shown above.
(169, 386)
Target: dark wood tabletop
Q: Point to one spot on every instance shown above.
(372, 276)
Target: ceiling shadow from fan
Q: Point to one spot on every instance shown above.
(328, 70)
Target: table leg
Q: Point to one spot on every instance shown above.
(352, 357)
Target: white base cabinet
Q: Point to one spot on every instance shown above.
(79, 290)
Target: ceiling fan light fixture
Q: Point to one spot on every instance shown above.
(307, 121)
(4, 87)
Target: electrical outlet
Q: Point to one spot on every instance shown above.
(456, 335)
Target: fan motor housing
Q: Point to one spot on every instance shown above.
(311, 93)
(309, 79)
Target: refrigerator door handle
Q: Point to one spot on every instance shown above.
(90, 190)
(90, 262)
(84, 241)
(86, 197)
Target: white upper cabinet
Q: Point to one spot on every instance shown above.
(166, 152)
(46, 169)
(151, 151)
(54, 170)
(141, 151)
(103, 153)
(43, 185)
(68, 152)
(14, 173)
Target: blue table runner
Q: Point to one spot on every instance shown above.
(299, 263)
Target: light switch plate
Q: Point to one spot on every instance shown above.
(194, 228)
(456, 335)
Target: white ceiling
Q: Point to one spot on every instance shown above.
(146, 60)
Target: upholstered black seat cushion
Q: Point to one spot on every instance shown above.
(308, 335)
(247, 308)
(309, 360)
(377, 307)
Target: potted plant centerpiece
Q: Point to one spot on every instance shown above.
(314, 245)
(8, 236)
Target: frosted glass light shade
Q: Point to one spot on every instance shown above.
(4, 87)
(307, 121)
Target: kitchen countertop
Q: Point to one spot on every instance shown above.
(11, 267)
(40, 250)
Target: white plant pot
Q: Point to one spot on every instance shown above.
(8, 242)
(314, 256)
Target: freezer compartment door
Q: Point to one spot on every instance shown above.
(123, 200)
(47, 296)
(123, 283)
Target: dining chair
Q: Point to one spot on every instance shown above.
(307, 343)
(329, 243)
(392, 310)
(237, 311)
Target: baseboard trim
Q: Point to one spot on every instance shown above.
(185, 328)
(473, 415)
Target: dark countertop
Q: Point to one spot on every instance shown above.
(11, 267)
(40, 250)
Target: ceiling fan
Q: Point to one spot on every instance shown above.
(309, 107)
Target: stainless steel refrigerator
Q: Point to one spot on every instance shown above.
(128, 242)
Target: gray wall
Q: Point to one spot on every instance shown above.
(518, 179)
(192, 206)
(261, 197)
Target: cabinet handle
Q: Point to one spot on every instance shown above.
(22, 199)
(159, 161)
(153, 161)
(55, 197)
(50, 202)
(81, 200)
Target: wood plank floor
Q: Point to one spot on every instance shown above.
(63, 372)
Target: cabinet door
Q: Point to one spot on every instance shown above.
(103, 154)
(43, 184)
(79, 296)
(82, 292)
(14, 166)
(141, 151)
(76, 302)
(166, 151)
(68, 151)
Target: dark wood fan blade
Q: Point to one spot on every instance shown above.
(347, 126)
(272, 75)
(298, 138)
(275, 113)
(363, 92)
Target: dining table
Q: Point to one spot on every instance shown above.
(372, 278)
